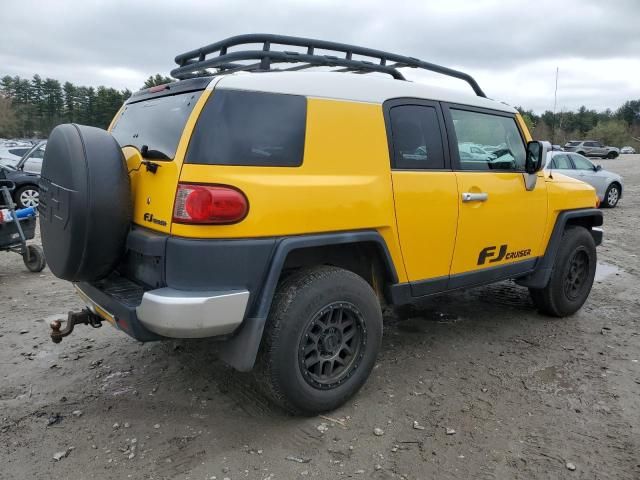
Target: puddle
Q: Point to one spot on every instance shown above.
(604, 270)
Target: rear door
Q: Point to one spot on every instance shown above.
(501, 223)
(154, 127)
(425, 191)
(586, 171)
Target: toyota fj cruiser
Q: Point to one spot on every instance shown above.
(276, 209)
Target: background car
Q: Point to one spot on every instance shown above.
(27, 192)
(591, 148)
(627, 149)
(14, 153)
(608, 185)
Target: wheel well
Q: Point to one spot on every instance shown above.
(366, 259)
(586, 222)
(617, 184)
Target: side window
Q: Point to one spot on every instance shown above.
(250, 128)
(590, 144)
(581, 163)
(417, 138)
(561, 161)
(488, 142)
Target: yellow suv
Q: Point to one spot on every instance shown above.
(276, 209)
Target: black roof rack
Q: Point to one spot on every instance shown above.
(194, 63)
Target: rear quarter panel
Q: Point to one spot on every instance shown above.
(343, 184)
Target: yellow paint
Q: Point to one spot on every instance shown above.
(523, 128)
(344, 182)
(427, 217)
(153, 194)
(511, 215)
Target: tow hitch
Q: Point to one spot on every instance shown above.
(83, 317)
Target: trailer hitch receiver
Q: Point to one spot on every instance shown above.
(83, 317)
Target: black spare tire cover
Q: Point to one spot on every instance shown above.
(85, 203)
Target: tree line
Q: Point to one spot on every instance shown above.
(33, 107)
(616, 128)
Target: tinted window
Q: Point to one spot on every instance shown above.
(157, 123)
(250, 128)
(573, 144)
(417, 138)
(19, 151)
(488, 142)
(581, 163)
(562, 162)
(590, 144)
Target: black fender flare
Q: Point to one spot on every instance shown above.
(240, 351)
(591, 217)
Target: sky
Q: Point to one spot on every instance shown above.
(511, 47)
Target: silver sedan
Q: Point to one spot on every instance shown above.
(608, 185)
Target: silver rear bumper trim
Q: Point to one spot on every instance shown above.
(184, 314)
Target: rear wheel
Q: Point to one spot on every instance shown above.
(321, 340)
(611, 196)
(612, 155)
(572, 275)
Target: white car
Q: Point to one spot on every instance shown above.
(14, 153)
(476, 152)
(608, 185)
(627, 149)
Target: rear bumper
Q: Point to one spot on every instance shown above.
(187, 314)
(164, 312)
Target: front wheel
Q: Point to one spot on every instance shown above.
(27, 196)
(612, 155)
(321, 340)
(572, 275)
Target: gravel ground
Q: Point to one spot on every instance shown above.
(472, 385)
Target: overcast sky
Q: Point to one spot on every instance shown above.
(512, 48)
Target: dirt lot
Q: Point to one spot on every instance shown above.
(527, 396)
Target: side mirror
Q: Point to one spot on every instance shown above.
(536, 156)
(597, 168)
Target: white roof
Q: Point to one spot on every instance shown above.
(351, 87)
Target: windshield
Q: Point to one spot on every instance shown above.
(155, 126)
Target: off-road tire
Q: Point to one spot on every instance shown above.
(298, 305)
(569, 284)
(613, 201)
(36, 261)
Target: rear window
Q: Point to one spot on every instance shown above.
(156, 124)
(251, 129)
(18, 151)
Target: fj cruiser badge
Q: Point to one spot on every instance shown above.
(502, 254)
(148, 217)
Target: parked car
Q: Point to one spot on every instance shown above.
(27, 191)
(608, 185)
(627, 150)
(278, 210)
(591, 148)
(14, 153)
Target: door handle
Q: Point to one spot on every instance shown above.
(475, 197)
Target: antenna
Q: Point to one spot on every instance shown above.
(555, 103)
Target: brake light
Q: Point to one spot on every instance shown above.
(204, 204)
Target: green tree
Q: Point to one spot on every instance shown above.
(156, 80)
(8, 118)
(611, 132)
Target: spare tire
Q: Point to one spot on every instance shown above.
(85, 203)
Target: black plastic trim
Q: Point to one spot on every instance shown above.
(540, 277)
(241, 350)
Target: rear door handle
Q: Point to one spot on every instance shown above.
(475, 197)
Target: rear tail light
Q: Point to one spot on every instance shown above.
(204, 204)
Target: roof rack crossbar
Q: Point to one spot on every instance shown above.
(217, 56)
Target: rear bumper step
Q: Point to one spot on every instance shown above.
(164, 312)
